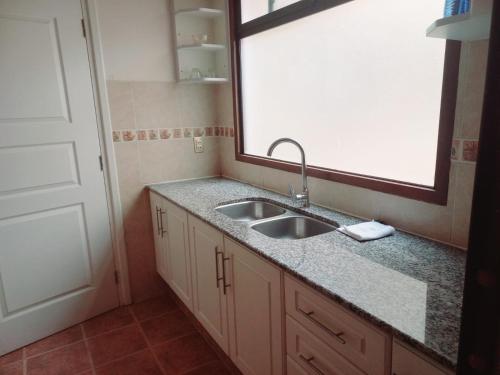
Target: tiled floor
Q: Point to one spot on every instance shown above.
(150, 338)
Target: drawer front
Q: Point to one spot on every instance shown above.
(361, 343)
(405, 362)
(312, 355)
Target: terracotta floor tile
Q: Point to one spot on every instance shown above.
(116, 344)
(71, 359)
(14, 356)
(166, 327)
(15, 368)
(114, 319)
(68, 336)
(212, 368)
(184, 354)
(154, 307)
(140, 363)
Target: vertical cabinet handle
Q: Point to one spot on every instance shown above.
(157, 221)
(310, 361)
(162, 231)
(217, 277)
(225, 285)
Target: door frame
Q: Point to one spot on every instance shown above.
(105, 132)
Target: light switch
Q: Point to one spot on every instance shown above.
(198, 144)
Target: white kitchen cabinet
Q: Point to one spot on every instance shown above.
(210, 303)
(255, 311)
(158, 213)
(243, 301)
(179, 259)
(407, 362)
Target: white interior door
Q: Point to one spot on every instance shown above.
(56, 262)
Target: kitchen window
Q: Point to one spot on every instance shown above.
(358, 83)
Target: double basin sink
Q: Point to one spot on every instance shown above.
(275, 221)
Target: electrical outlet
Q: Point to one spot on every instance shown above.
(198, 144)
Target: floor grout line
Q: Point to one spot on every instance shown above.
(86, 343)
(150, 347)
(119, 358)
(54, 349)
(25, 362)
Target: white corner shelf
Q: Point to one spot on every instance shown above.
(205, 81)
(200, 12)
(470, 26)
(201, 47)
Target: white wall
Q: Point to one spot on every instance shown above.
(137, 40)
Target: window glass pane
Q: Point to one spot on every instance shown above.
(251, 9)
(359, 85)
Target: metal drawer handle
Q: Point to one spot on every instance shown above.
(163, 231)
(336, 335)
(157, 221)
(224, 285)
(217, 277)
(310, 361)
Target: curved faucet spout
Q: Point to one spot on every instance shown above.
(304, 197)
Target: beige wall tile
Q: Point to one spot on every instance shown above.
(462, 203)
(471, 89)
(224, 102)
(121, 105)
(156, 104)
(197, 104)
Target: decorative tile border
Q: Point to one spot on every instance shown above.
(142, 135)
(464, 150)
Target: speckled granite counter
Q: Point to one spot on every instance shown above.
(407, 285)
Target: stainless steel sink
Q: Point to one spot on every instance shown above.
(250, 210)
(293, 227)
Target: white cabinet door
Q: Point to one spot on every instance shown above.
(406, 362)
(178, 253)
(56, 260)
(158, 214)
(210, 307)
(255, 311)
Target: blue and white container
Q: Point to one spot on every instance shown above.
(454, 7)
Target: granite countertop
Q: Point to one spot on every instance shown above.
(407, 285)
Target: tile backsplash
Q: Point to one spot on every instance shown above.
(153, 139)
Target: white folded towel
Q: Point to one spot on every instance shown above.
(371, 230)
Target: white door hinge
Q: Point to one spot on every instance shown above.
(101, 163)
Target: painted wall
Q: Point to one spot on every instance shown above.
(153, 120)
(448, 223)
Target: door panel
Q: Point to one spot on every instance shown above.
(179, 259)
(255, 312)
(210, 306)
(25, 256)
(56, 261)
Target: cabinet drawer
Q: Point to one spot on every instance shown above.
(406, 362)
(293, 368)
(362, 344)
(312, 355)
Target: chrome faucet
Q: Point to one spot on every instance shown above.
(302, 198)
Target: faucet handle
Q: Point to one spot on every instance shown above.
(291, 191)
